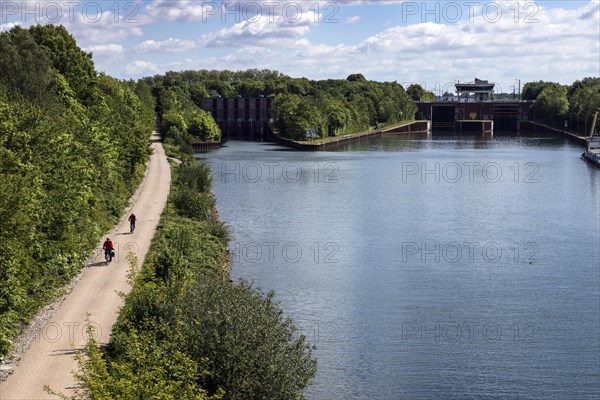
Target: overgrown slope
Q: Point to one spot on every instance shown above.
(73, 143)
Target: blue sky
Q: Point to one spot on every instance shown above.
(434, 43)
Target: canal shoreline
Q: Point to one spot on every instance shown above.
(423, 126)
(539, 127)
(408, 127)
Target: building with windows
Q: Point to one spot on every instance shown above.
(478, 90)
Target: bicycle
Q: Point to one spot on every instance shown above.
(109, 255)
(132, 219)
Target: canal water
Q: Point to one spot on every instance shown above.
(426, 267)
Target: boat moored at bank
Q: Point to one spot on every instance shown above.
(592, 153)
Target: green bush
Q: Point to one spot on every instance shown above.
(175, 134)
(147, 307)
(194, 175)
(173, 120)
(202, 126)
(253, 351)
(184, 238)
(151, 367)
(220, 230)
(192, 204)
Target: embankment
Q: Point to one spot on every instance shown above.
(186, 330)
(531, 126)
(335, 142)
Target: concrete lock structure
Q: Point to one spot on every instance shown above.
(241, 118)
(474, 110)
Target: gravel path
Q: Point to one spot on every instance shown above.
(44, 353)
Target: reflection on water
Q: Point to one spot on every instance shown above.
(406, 142)
(440, 266)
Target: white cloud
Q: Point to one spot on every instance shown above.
(102, 28)
(90, 22)
(353, 20)
(178, 10)
(262, 32)
(378, 2)
(139, 68)
(8, 26)
(170, 46)
(105, 49)
(561, 46)
(229, 12)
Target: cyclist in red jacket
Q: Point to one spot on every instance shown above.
(109, 249)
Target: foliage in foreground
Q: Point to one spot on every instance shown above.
(151, 368)
(252, 349)
(73, 144)
(186, 331)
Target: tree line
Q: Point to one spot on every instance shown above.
(330, 107)
(73, 145)
(556, 103)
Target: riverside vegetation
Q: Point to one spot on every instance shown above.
(555, 103)
(186, 331)
(73, 144)
(334, 107)
(331, 107)
(73, 147)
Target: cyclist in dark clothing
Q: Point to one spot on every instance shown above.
(132, 219)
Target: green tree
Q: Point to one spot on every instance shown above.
(328, 105)
(73, 146)
(552, 104)
(173, 119)
(203, 127)
(584, 100)
(26, 69)
(337, 115)
(531, 90)
(295, 114)
(253, 351)
(144, 93)
(417, 93)
(356, 78)
(198, 92)
(69, 60)
(222, 88)
(250, 88)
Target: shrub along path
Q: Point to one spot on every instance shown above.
(50, 359)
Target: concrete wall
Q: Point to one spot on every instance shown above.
(240, 117)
